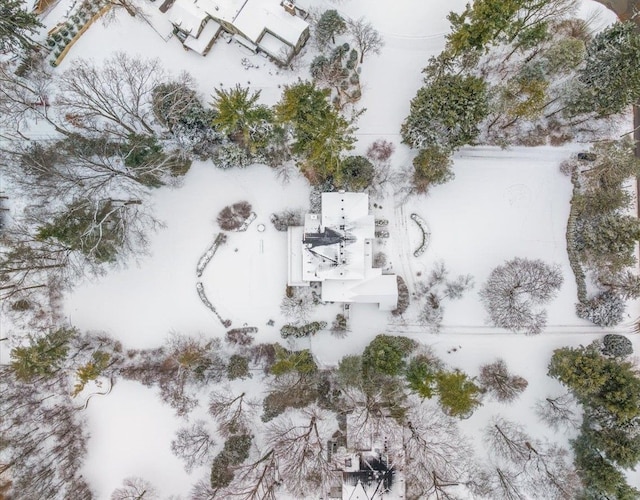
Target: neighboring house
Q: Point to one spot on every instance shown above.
(371, 462)
(268, 26)
(336, 249)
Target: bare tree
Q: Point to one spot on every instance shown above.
(515, 289)
(24, 100)
(301, 450)
(559, 412)
(507, 440)
(115, 97)
(438, 457)
(234, 414)
(193, 445)
(298, 303)
(257, 479)
(135, 488)
(365, 36)
(495, 378)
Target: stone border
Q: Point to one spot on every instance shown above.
(422, 225)
(203, 297)
(220, 239)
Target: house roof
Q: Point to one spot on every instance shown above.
(256, 16)
(204, 40)
(187, 16)
(380, 288)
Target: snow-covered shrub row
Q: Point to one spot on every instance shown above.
(203, 297)
(305, 330)
(403, 297)
(247, 222)
(282, 220)
(572, 253)
(208, 255)
(605, 309)
(425, 234)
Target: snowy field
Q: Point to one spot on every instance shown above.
(502, 204)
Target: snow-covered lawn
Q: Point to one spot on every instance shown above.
(502, 204)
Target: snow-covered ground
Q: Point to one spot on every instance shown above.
(501, 204)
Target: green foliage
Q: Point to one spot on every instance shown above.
(143, 151)
(421, 375)
(17, 25)
(287, 361)
(43, 356)
(92, 228)
(600, 477)
(241, 118)
(306, 330)
(91, 371)
(458, 394)
(432, 166)
(300, 395)
(446, 112)
(238, 367)
(609, 385)
(610, 80)
(350, 371)
(564, 55)
(175, 102)
(320, 133)
(328, 26)
(355, 174)
(235, 452)
(386, 355)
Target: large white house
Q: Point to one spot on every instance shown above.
(336, 249)
(274, 27)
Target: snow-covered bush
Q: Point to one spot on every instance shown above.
(403, 297)
(289, 217)
(233, 216)
(617, 346)
(605, 309)
(231, 156)
(241, 336)
(305, 330)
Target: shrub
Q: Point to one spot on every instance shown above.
(282, 220)
(386, 354)
(230, 156)
(238, 367)
(302, 331)
(233, 216)
(617, 346)
(403, 297)
(605, 309)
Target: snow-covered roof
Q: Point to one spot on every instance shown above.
(205, 39)
(257, 16)
(381, 289)
(336, 248)
(187, 16)
(226, 10)
(274, 46)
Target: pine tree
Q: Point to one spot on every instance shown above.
(458, 394)
(609, 82)
(43, 357)
(446, 112)
(328, 26)
(16, 26)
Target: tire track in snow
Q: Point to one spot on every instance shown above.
(403, 251)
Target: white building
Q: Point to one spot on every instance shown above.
(336, 249)
(270, 26)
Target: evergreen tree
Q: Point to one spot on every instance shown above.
(386, 355)
(16, 26)
(446, 112)
(328, 26)
(421, 375)
(610, 80)
(432, 166)
(458, 394)
(240, 117)
(43, 356)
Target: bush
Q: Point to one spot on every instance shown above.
(403, 297)
(617, 346)
(386, 354)
(282, 220)
(302, 331)
(605, 309)
(356, 173)
(231, 156)
(241, 336)
(238, 367)
(233, 216)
